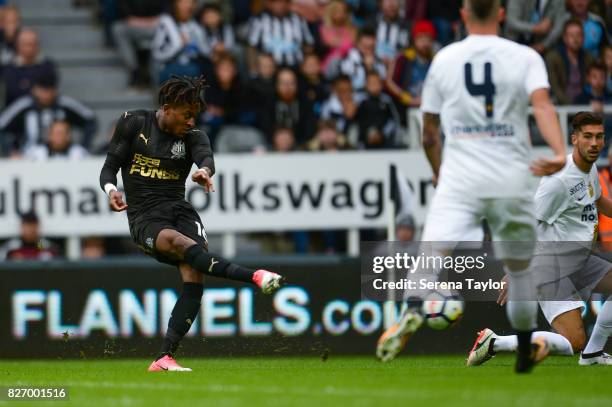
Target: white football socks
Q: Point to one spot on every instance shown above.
(522, 309)
(557, 344)
(506, 343)
(602, 329)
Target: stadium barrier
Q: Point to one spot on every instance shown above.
(298, 191)
(118, 308)
(301, 191)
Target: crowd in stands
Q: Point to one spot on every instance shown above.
(34, 115)
(277, 67)
(289, 75)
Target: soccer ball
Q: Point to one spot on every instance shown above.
(442, 311)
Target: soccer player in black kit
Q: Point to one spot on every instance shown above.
(155, 151)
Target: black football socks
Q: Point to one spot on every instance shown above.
(524, 363)
(183, 314)
(210, 264)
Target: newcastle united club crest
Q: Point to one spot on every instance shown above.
(178, 150)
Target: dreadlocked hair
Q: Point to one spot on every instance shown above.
(183, 90)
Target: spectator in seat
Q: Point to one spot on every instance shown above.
(376, 116)
(279, 32)
(595, 92)
(28, 67)
(536, 23)
(415, 10)
(226, 100)
(178, 45)
(288, 109)
(226, 8)
(262, 83)
(312, 10)
(444, 14)
(59, 144)
(312, 83)
(25, 122)
(596, 95)
(11, 24)
(567, 64)
(283, 140)
(30, 245)
(337, 35)
(594, 27)
(135, 29)
(93, 248)
(328, 138)
(404, 228)
(607, 59)
(361, 59)
(218, 35)
(363, 10)
(391, 30)
(342, 104)
(407, 73)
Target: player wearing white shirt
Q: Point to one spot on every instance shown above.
(479, 90)
(567, 205)
(572, 193)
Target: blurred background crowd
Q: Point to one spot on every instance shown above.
(283, 75)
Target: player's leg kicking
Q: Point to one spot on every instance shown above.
(195, 262)
(514, 234)
(448, 221)
(183, 314)
(510, 220)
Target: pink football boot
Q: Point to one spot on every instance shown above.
(267, 281)
(167, 363)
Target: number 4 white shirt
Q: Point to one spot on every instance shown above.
(566, 205)
(481, 87)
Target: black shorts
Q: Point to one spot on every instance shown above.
(179, 216)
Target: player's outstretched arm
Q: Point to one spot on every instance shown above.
(432, 142)
(604, 205)
(548, 123)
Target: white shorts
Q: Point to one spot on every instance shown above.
(552, 309)
(511, 220)
(570, 291)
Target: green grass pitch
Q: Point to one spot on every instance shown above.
(338, 381)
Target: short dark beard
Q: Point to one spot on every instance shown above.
(585, 157)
